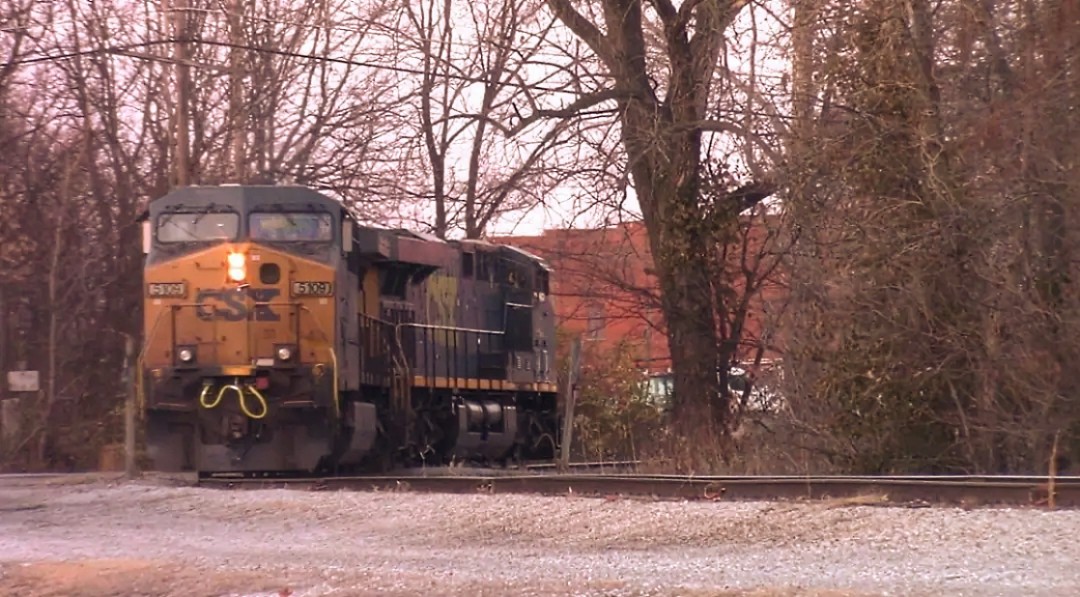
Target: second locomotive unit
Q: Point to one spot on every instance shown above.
(280, 335)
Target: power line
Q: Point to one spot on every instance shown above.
(374, 28)
(126, 49)
(267, 20)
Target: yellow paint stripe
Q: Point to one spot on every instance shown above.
(472, 383)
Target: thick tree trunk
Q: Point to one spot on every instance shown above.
(699, 405)
(662, 138)
(667, 181)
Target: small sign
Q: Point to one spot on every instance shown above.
(23, 381)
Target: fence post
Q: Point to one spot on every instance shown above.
(571, 399)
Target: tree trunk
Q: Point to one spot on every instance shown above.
(667, 182)
(699, 405)
(237, 130)
(663, 142)
(54, 314)
(182, 158)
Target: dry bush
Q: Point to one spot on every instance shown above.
(934, 291)
(613, 418)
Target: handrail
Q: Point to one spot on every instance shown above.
(430, 326)
(140, 381)
(450, 328)
(241, 399)
(333, 358)
(140, 387)
(458, 341)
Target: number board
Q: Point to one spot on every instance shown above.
(167, 289)
(312, 288)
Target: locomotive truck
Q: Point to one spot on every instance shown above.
(282, 336)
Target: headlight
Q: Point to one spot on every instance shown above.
(284, 353)
(237, 271)
(186, 355)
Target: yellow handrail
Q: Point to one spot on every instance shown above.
(206, 392)
(333, 359)
(241, 399)
(204, 396)
(262, 403)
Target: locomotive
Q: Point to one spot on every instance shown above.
(280, 335)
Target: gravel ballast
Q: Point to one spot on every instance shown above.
(111, 538)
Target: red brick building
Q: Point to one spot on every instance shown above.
(605, 289)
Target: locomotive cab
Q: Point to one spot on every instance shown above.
(240, 342)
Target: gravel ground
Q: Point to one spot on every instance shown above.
(94, 537)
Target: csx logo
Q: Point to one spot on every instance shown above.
(231, 304)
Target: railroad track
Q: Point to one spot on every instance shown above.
(898, 490)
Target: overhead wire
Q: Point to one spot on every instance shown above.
(126, 49)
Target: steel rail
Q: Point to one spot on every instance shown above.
(913, 490)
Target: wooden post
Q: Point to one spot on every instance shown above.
(9, 405)
(1051, 486)
(129, 406)
(571, 399)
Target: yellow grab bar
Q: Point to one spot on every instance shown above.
(264, 407)
(262, 404)
(206, 393)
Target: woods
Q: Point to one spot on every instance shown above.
(936, 279)
(919, 160)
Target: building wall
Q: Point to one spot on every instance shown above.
(605, 289)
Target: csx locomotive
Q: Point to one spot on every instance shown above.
(281, 335)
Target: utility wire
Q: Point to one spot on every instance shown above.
(126, 49)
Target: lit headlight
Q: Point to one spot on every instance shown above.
(186, 355)
(284, 353)
(237, 270)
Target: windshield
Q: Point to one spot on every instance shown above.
(196, 227)
(291, 226)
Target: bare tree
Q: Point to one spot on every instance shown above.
(477, 68)
(15, 19)
(661, 64)
(90, 131)
(278, 90)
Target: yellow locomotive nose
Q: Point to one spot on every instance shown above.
(239, 308)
